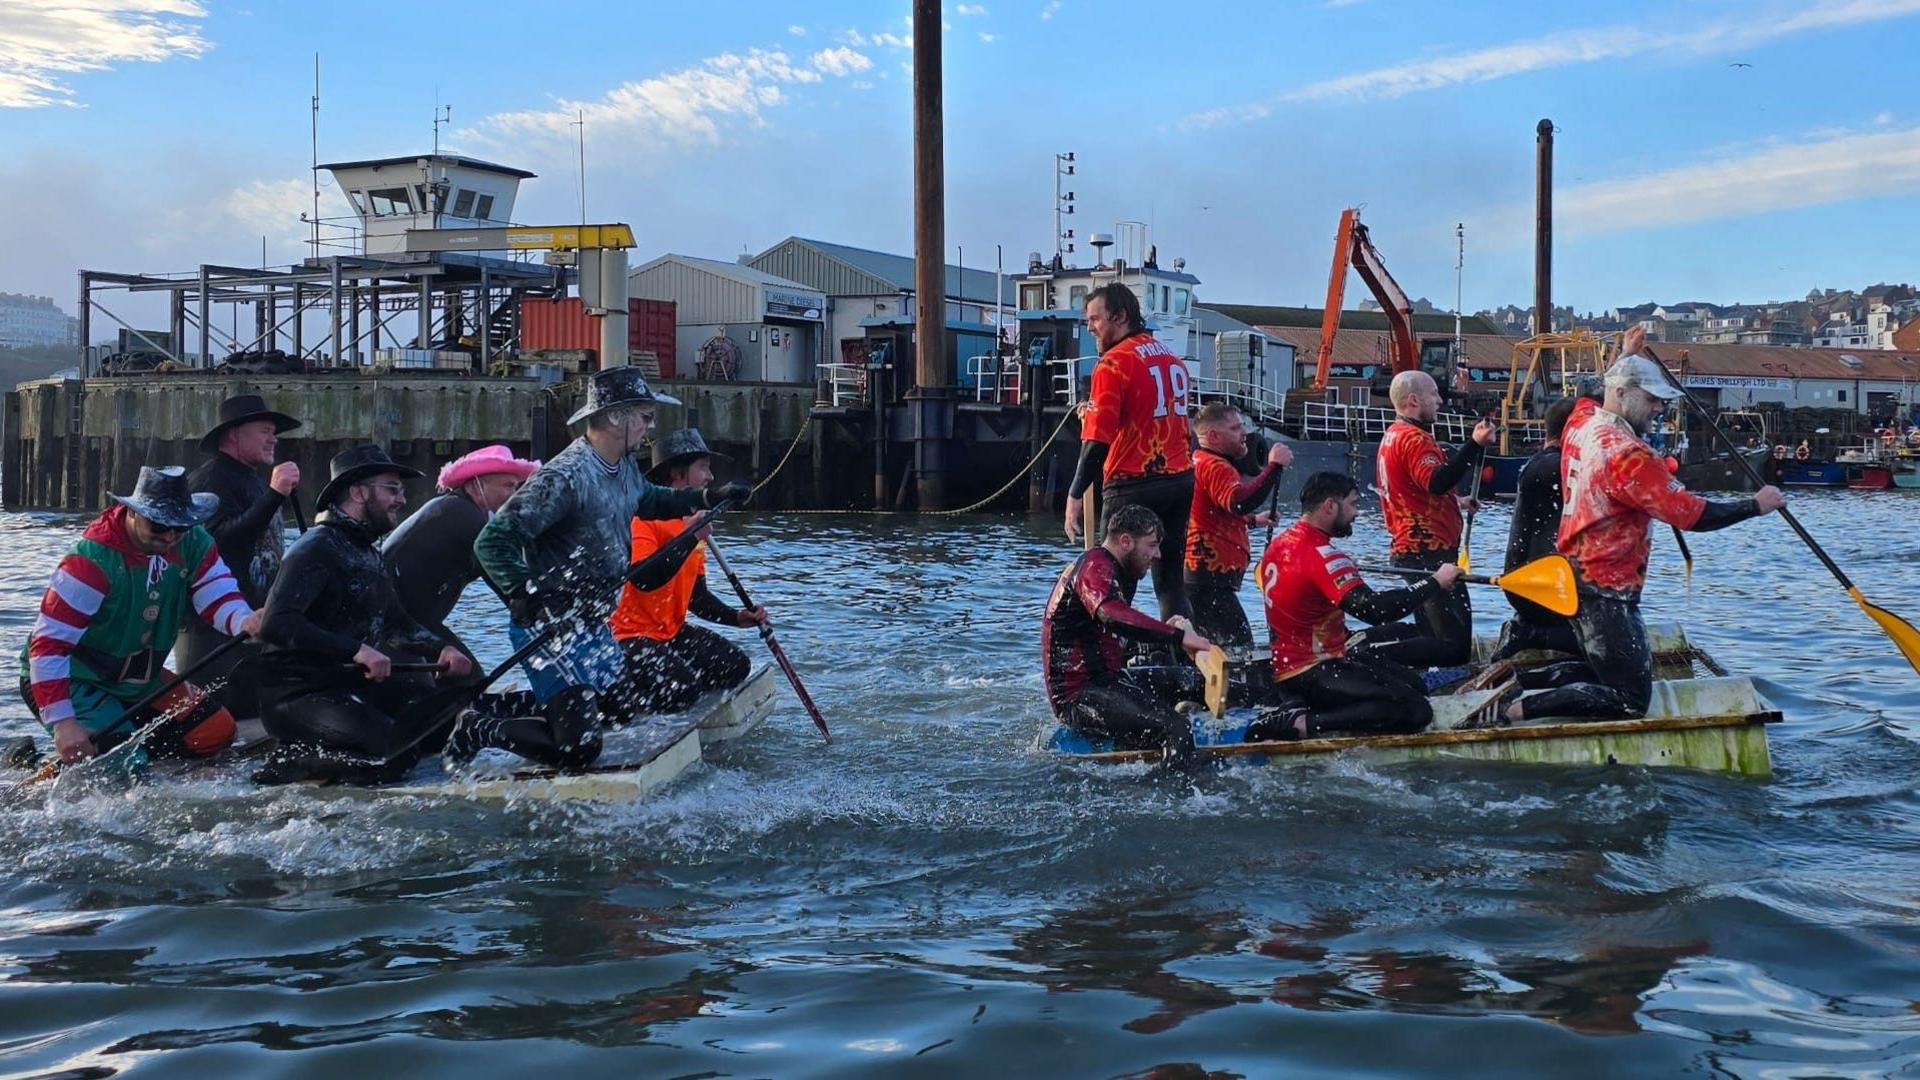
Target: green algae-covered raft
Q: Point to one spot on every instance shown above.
(1699, 718)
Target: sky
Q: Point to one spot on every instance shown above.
(1725, 150)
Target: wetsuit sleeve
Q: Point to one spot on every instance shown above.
(710, 607)
(1719, 515)
(1536, 510)
(1250, 494)
(1464, 459)
(1099, 592)
(659, 503)
(501, 549)
(405, 631)
(303, 577)
(1093, 461)
(1392, 605)
(243, 531)
(1635, 477)
(74, 596)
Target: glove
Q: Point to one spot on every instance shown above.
(740, 493)
(523, 608)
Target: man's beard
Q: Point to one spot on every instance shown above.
(1344, 528)
(381, 522)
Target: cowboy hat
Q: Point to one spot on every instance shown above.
(355, 464)
(613, 387)
(681, 446)
(486, 461)
(162, 497)
(241, 409)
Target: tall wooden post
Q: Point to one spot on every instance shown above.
(931, 400)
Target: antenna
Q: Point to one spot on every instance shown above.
(314, 128)
(1062, 204)
(580, 121)
(442, 114)
(1459, 275)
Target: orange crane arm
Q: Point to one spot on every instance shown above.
(1354, 247)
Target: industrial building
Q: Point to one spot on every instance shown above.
(734, 322)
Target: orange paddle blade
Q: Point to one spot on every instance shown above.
(1547, 581)
(1904, 636)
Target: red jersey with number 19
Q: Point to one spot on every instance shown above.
(1139, 409)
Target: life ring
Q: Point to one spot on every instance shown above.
(1801, 453)
(1780, 452)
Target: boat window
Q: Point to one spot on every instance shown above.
(1843, 395)
(483, 208)
(1077, 297)
(1180, 299)
(359, 200)
(1361, 396)
(1033, 297)
(1166, 298)
(388, 202)
(421, 202)
(463, 203)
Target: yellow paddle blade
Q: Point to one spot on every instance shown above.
(1466, 562)
(1547, 581)
(1213, 665)
(1900, 630)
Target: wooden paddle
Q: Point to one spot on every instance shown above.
(773, 644)
(1904, 636)
(1213, 664)
(1547, 581)
(1686, 554)
(1473, 497)
(55, 767)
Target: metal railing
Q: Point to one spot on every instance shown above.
(842, 385)
(1262, 402)
(996, 378)
(1327, 420)
(1063, 383)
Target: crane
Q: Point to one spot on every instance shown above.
(1352, 246)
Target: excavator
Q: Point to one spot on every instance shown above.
(1353, 247)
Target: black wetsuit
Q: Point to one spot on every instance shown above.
(1168, 496)
(1536, 522)
(1374, 689)
(333, 595)
(248, 529)
(1447, 614)
(1213, 586)
(431, 556)
(667, 676)
(1083, 650)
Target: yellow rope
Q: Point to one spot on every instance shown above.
(1002, 490)
(801, 434)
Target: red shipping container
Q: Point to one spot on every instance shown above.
(564, 324)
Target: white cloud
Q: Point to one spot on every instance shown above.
(1050, 9)
(969, 10)
(1785, 175)
(797, 30)
(41, 41)
(1882, 119)
(272, 208)
(840, 62)
(862, 84)
(988, 38)
(677, 108)
(1566, 48)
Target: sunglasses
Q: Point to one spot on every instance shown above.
(158, 529)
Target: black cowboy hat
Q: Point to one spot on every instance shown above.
(241, 409)
(611, 388)
(352, 465)
(682, 446)
(162, 497)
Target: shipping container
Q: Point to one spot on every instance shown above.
(564, 324)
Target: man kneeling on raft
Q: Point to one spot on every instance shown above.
(1311, 587)
(670, 661)
(1090, 618)
(333, 625)
(110, 617)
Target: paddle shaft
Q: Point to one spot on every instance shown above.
(1473, 499)
(773, 644)
(1412, 572)
(168, 687)
(299, 511)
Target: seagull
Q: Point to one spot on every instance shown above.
(1738, 63)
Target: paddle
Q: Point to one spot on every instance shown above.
(1686, 554)
(1473, 507)
(1213, 665)
(55, 767)
(299, 512)
(1904, 636)
(1547, 581)
(773, 644)
(403, 667)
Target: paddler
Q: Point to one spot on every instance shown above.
(670, 660)
(1133, 437)
(1310, 587)
(1533, 534)
(1417, 478)
(559, 548)
(1224, 503)
(249, 528)
(111, 614)
(1616, 486)
(1089, 621)
(334, 625)
(431, 553)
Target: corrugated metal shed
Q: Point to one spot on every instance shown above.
(841, 270)
(708, 291)
(1264, 315)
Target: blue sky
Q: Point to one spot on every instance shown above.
(155, 134)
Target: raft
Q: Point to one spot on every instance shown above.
(1699, 718)
(652, 754)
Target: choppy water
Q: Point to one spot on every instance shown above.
(927, 895)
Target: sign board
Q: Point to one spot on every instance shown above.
(793, 305)
(1738, 382)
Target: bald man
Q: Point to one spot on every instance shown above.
(1417, 478)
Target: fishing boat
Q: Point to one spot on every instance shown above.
(646, 756)
(1699, 718)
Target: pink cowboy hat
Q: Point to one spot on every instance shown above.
(484, 462)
